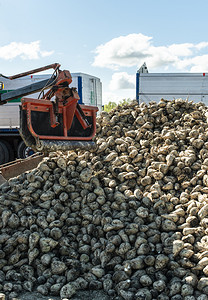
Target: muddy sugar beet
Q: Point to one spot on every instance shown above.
(129, 218)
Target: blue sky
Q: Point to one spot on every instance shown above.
(109, 39)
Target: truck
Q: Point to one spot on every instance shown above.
(12, 146)
(169, 86)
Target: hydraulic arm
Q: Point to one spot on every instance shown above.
(54, 121)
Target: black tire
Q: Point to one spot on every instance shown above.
(24, 151)
(4, 153)
(10, 150)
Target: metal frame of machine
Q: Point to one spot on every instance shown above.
(55, 121)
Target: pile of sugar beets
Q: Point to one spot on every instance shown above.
(129, 218)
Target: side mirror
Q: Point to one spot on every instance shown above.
(1, 86)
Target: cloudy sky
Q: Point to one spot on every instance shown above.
(109, 39)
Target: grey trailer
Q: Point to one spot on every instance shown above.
(169, 86)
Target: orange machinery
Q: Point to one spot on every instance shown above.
(54, 121)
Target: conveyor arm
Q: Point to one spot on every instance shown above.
(26, 90)
(29, 89)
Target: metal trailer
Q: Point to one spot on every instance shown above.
(89, 89)
(90, 92)
(169, 86)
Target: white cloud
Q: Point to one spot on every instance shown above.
(23, 50)
(117, 96)
(194, 64)
(122, 80)
(133, 49)
(122, 51)
(110, 97)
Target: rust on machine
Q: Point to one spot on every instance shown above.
(19, 166)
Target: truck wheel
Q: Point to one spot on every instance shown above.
(24, 151)
(10, 150)
(4, 153)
